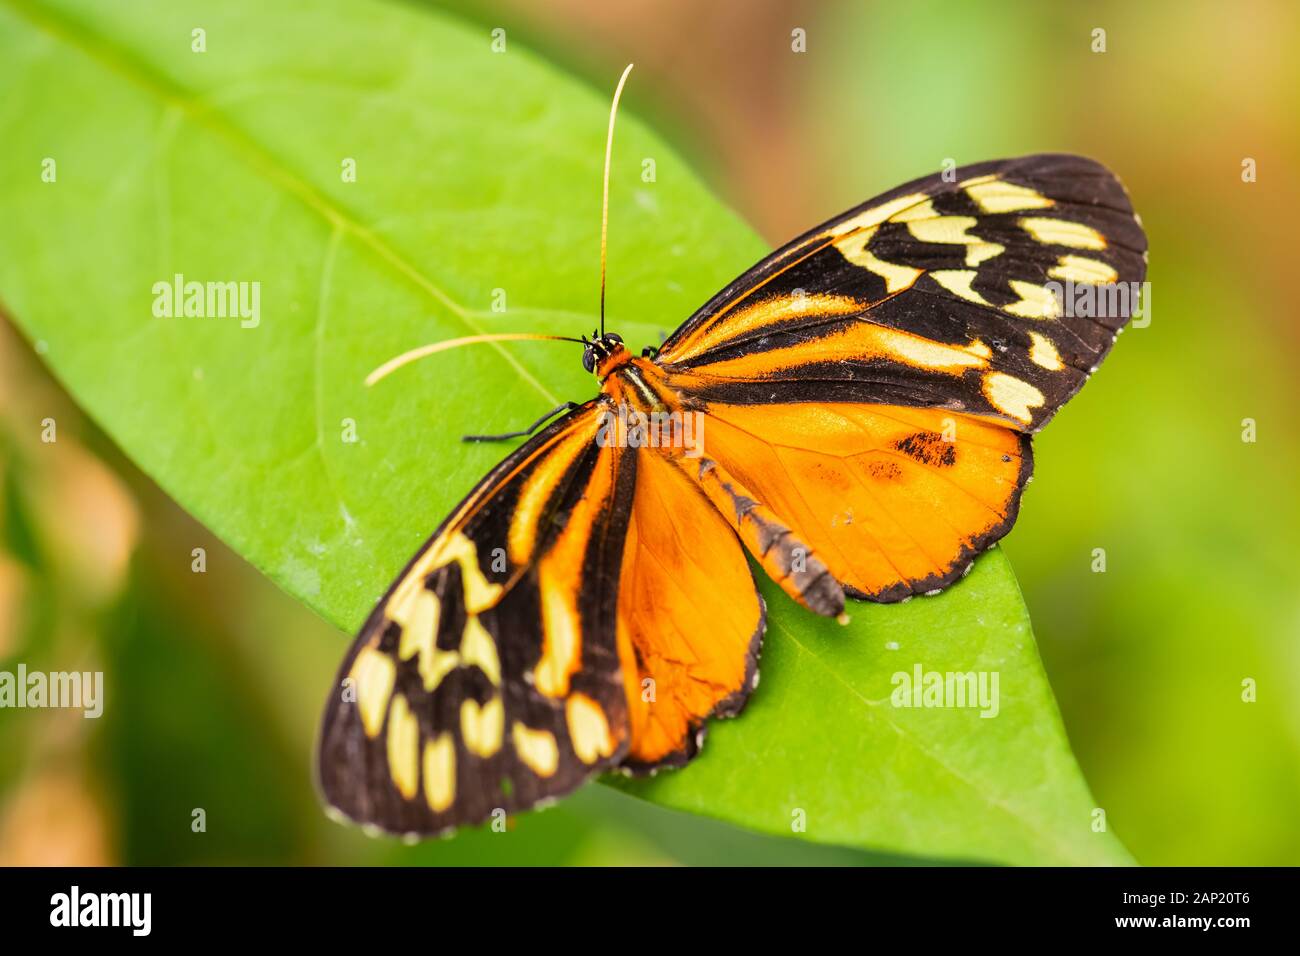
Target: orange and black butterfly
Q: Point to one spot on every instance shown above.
(862, 403)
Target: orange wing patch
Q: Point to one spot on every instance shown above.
(894, 500)
(689, 617)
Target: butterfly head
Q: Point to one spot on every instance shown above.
(603, 353)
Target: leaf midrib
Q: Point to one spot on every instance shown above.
(118, 61)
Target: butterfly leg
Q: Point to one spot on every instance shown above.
(652, 351)
(564, 407)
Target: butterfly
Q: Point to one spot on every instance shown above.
(860, 405)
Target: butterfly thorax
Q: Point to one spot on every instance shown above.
(639, 384)
(635, 382)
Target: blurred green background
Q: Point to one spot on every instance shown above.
(220, 673)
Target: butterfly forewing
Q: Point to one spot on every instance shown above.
(993, 290)
(488, 678)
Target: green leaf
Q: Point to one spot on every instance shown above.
(477, 175)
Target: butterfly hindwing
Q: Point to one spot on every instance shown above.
(994, 290)
(891, 500)
(489, 677)
(688, 613)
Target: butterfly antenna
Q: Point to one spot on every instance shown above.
(604, 203)
(393, 364)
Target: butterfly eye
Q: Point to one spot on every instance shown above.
(589, 359)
